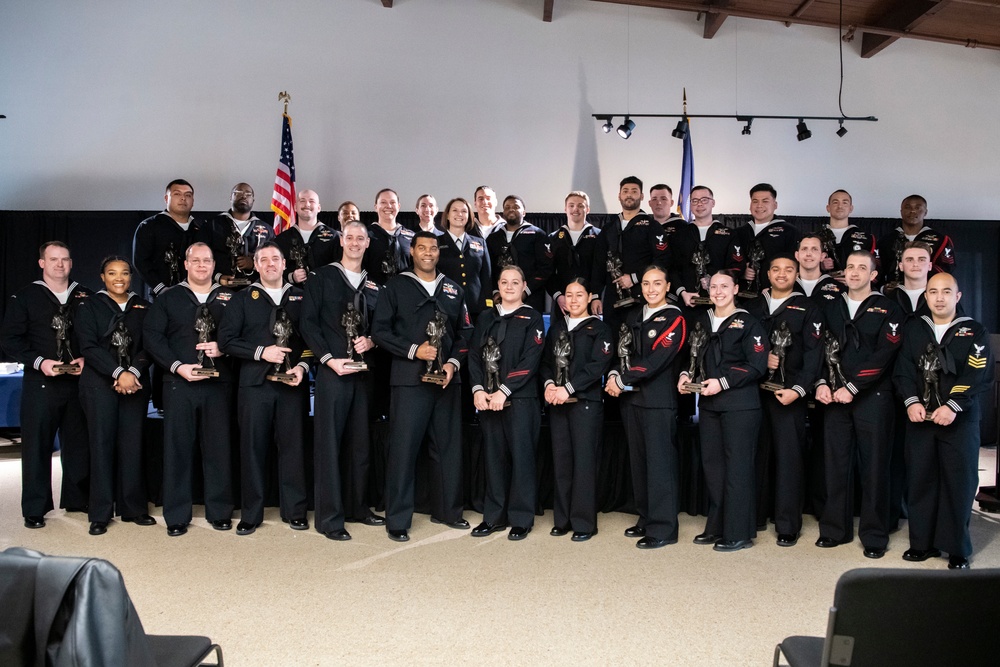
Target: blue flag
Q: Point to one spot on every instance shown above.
(687, 177)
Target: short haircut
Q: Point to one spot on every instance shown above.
(578, 193)
(841, 190)
(867, 255)
(354, 223)
(630, 180)
(198, 244)
(470, 224)
(810, 235)
(178, 181)
(114, 258)
(662, 186)
(784, 255)
(423, 234)
(483, 188)
(50, 244)
(509, 197)
(703, 187)
(379, 193)
(265, 246)
(419, 198)
(349, 203)
(919, 245)
(922, 200)
(763, 187)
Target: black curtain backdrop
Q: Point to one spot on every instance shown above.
(93, 235)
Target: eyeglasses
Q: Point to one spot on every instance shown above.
(243, 193)
(703, 200)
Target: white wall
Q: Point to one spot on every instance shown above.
(107, 101)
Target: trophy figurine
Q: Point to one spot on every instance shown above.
(930, 365)
(781, 340)
(625, 342)
(756, 257)
(614, 265)
(563, 352)
(506, 256)
(298, 254)
(696, 367)
(828, 243)
(390, 261)
(204, 324)
(491, 362)
(831, 355)
(898, 244)
(700, 259)
(435, 367)
(351, 321)
(121, 339)
(237, 249)
(172, 261)
(282, 335)
(62, 323)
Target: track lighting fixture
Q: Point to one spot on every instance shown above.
(803, 131)
(625, 129)
(746, 128)
(843, 130)
(681, 130)
(608, 126)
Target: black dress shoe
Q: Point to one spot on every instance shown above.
(874, 552)
(726, 546)
(461, 524)
(370, 520)
(484, 529)
(398, 535)
(222, 524)
(98, 527)
(650, 542)
(140, 520)
(177, 529)
(580, 536)
(706, 538)
(827, 543)
(517, 533)
(338, 535)
(787, 539)
(920, 555)
(958, 563)
(635, 531)
(558, 532)
(299, 524)
(246, 528)
(34, 522)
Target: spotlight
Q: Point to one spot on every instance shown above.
(681, 129)
(804, 132)
(842, 131)
(608, 126)
(746, 129)
(625, 129)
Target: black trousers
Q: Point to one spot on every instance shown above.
(897, 469)
(196, 411)
(510, 441)
(860, 431)
(341, 432)
(51, 405)
(728, 443)
(415, 411)
(114, 424)
(942, 465)
(576, 443)
(272, 412)
(652, 450)
(780, 464)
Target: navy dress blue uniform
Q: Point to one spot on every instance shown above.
(942, 461)
(577, 427)
(823, 292)
(530, 249)
(650, 416)
(387, 251)
(942, 252)
(783, 430)
(853, 240)
(573, 260)
(777, 238)
(221, 227)
(114, 421)
(683, 245)
(159, 238)
(404, 308)
(861, 430)
(735, 355)
(468, 265)
(48, 404)
(341, 402)
(510, 436)
(268, 410)
(322, 248)
(193, 411)
(641, 243)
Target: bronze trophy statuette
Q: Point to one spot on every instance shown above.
(491, 362)
(615, 271)
(351, 321)
(930, 366)
(831, 356)
(237, 249)
(204, 324)
(781, 340)
(625, 343)
(700, 259)
(173, 262)
(696, 367)
(563, 353)
(756, 257)
(62, 323)
(435, 367)
(298, 255)
(282, 335)
(121, 339)
(828, 242)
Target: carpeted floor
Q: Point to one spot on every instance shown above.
(286, 597)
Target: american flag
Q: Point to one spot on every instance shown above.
(283, 199)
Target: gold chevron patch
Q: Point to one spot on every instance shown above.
(959, 389)
(977, 362)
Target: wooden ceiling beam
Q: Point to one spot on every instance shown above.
(547, 11)
(904, 16)
(387, 4)
(715, 18)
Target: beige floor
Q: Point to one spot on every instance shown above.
(285, 597)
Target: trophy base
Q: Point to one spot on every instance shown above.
(629, 389)
(701, 301)
(66, 369)
(570, 400)
(626, 302)
(772, 386)
(281, 377)
(438, 377)
(356, 365)
(891, 285)
(694, 387)
(238, 282)
(747, 294)
(203, 372)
